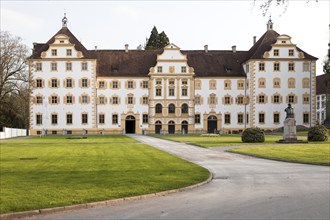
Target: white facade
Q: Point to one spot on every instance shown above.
(70, 95)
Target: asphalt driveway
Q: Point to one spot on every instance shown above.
(243, 188)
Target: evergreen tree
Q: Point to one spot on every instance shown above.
(156, 41)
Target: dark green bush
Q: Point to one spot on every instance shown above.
(253, 135)
(318, 133)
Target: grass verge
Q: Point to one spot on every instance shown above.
(219, 141)
(49, 172)
(311, 153)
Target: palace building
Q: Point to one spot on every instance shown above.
(171, 90)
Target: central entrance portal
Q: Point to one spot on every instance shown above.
(130, 124)
(212, 126)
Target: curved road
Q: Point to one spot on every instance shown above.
(243, 188)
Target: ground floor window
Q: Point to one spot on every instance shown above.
(54, 119)
(276, 118)
(197, 119)
(101, 118)
(261, 117)
(240, 118)
(39, 119)
(114, 119)
(227, 118)
(84, 118)
(69, 118)
(306, 118)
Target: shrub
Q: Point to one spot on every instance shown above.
(253, 135)
(318, 133)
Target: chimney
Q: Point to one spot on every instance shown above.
(206, 48)
(95, 48)
(126, 48)
(234, 48)
(254, 40)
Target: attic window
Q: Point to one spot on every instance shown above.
(283, 41)
(228, 69)
(61, 41)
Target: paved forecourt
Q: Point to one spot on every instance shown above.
(243, 188)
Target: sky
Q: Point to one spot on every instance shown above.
(220, 24)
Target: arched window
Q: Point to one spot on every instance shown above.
(171, 108)
(291, 83)
(184, 109)
(159, 108)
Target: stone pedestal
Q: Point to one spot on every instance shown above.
(290, 131)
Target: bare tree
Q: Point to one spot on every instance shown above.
(266, 4)
(14, 81)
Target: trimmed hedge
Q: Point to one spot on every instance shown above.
(253, 135)
(318, 133)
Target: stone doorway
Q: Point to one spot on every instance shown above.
(130, 124)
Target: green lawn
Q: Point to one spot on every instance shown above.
(311, 153)
(53, 171)
(220, 141)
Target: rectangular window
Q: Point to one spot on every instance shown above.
(276, 99)
(114, 119)
(68, 66)
(145, 118)
(276, 66)
(145, 84)
(54, 83)
(159, 69)
(84, 83)
(261, 67)
(306, 100)
(212, 100)
(184, 82)
(54, 99)
(39, 67)
(115, 84)
(84, 66)
(39, 83)
(54, 52)
(276, 118)
(84, 99)
(54, 119)
(227, 118)
(247, 118)
(184, 92)
(171, 82)
(145, 100)
(291, 66)
(115, 100)
(102, 100)
(261, 117)
(183, 69)
(261, 99)
(158, 92)
(276, 53)
(158, 82)
(69, 83)
(171, 92)
(197, 118)
(39, 119)
(291, 99)
(306, 118)
(69, 119)
(197, 100)
(84, 119)
(130, 84)
(68, 52)
(130, 100)
(306, 67)
(39, 99)
(69, 99)
(240, 100)
(247, 68)
(101, 118)
(227, 100)
(101, 84)
(54, 66)
(240, 118)
(291, 53)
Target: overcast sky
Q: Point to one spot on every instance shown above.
(188, 24)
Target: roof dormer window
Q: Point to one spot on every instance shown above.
(283, 41)
(62, 41)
